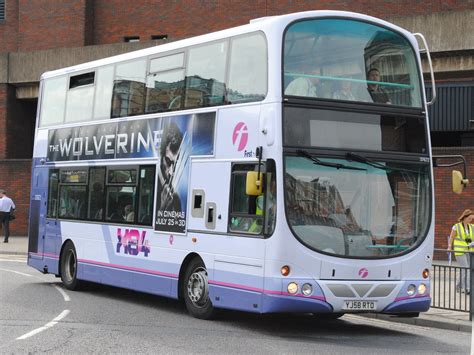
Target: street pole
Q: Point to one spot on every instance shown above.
(471, 284)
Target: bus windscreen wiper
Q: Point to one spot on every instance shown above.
(361, 159)
(315, 160)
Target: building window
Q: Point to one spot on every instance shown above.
(158, 37)
(2, 10)
(131, 39)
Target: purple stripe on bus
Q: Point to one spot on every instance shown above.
(48, 255)
(231, 285)
(282, 303)
(270, 292)
(410, 298)
(153, 272)
(418, 304)
(219, 283)
(130, 268)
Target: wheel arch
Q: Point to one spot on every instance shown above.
(182, 271)
(61, 253)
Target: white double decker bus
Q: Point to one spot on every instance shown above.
(279, 166)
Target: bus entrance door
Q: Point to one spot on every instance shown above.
(37, 227)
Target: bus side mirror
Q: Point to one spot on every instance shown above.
(254, 183)
(459, 183)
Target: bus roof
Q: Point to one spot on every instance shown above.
(268, 24)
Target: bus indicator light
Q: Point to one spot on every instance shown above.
(285, 270)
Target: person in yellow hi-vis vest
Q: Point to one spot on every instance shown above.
(257, 224)
(461, 241)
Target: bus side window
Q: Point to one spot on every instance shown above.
(246, 212)
(96, 194)
(165, 83)
(146, 193)
(205, 84)
(53, 193)
(270, 194)
(248, 69)
(128, 97)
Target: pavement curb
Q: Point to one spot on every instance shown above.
(420, 321)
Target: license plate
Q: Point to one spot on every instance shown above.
(359, 305)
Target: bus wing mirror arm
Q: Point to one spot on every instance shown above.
(459, 181)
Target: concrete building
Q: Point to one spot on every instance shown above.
(41, 35)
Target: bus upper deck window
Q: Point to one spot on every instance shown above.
(350, 60)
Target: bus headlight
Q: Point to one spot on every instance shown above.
(421, 289)
(411, 290)
(307, 289)
(292, 288)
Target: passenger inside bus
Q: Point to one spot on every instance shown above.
(345, 91)
(114, 214)
(304, 85)
(129, 214)
(377, 93)
(97, 201)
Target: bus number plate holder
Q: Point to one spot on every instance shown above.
(359, 305)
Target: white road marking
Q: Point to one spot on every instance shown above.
(14, 260)
(46, 326)
(16, 272)
(62, 292)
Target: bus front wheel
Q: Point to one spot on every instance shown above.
(69, 267)
(196, 290)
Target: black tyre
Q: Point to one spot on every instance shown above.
(328, 316)
(196, 290)
(69, 267)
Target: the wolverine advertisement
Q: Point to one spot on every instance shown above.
(171, 140)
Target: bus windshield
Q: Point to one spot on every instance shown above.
(355, 207)
(349, 60)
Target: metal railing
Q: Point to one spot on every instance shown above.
(451, 283)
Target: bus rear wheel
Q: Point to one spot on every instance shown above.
(196, 290)
(69, 267)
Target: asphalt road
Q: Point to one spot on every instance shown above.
(37, 315)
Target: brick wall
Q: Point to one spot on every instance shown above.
(15, 179)
(179, 19)
(9, 28)
(449, 206)
(376, 8)
(45, 24)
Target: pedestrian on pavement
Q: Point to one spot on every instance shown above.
(7, 207)
(461, 241)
